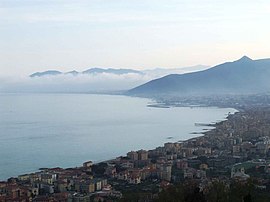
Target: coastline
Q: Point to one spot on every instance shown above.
(216, 155)
(199, 135)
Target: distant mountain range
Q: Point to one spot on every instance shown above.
(243, 76)
(88, 71)
(46, 73)
(158, 72)
(92, 80)
(111, 71)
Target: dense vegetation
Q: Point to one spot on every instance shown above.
(217, 192)
(190, 192)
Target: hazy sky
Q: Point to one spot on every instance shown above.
(62, 34)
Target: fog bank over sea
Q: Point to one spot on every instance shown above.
(49, 130)
(91, 80)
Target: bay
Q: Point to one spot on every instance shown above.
(50, 130)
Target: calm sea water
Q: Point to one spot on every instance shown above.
(49, 130)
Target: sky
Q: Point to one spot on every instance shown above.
(37, 35)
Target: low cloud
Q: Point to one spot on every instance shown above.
(66, 83)
(86, 83)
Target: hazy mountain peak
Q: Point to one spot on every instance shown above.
(245, 59)
(74, 72)
(111, 71)
(46, 73)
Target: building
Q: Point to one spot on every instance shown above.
(239, 173)
(88, 165)
(142, 155)
(182, 164)
(165, 171)
(133, 156)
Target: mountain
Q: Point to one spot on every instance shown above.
(159, 72)
(111, 71)
(46, 73)
(74, 73)
(153, 73)
(239, 77)
(94, 71)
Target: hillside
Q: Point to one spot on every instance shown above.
(243, 76)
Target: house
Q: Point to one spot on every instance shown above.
(189, 173)
(134, 178)
(236, 149)
(239, 173)
(45, 188)
(123, 175)
(78, 198)
(98, 184)
(200, 174)
(111, 171)
(181, 164)
(88, 166)
(203, 166)
(25, 177)
(62, 185)
(48, 178)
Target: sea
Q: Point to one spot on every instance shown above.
(65, 130)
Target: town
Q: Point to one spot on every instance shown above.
(236, 150)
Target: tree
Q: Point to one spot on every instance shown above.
(218, 192)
